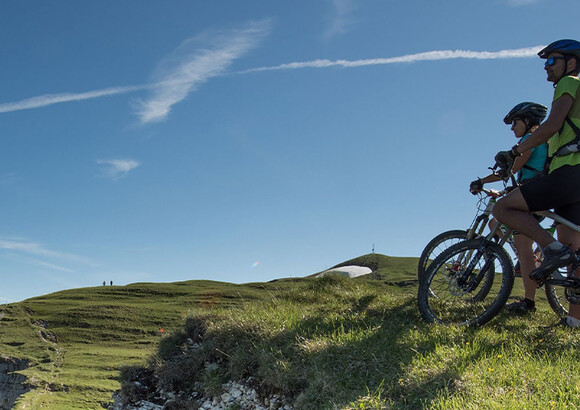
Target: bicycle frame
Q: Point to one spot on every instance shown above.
(568, 281)
(478, 274)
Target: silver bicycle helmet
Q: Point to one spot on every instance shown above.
(533, 111)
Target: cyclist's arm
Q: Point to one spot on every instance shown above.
(490, 178)
(518, 164)
(552, 125)
(521, 160)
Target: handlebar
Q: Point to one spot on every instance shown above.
(493, 193)
(509, 175)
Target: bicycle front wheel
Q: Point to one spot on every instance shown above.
(468, 284)
(437, 245)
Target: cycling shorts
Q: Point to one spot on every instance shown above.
(559, 190)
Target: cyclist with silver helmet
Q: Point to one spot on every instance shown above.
(524, 118)
(560, 188)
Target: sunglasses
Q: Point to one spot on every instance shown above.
(552, 60)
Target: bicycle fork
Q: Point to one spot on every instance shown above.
(466, 281)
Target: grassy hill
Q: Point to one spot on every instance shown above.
(320, 342)
(386, 268)
(76, 340)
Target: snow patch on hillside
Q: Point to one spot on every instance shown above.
(349, 271)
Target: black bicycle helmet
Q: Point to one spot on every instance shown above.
(534, 111)
(567, 47)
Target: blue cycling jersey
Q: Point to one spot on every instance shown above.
(537, 161)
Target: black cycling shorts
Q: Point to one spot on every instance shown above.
(559, 190)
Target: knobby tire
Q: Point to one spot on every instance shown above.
(437, 245)
(446, 297)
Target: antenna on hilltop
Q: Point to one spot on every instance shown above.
(373, 248)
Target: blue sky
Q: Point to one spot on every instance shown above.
(248, 141)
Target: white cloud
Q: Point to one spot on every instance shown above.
(37, 254)
(51, 99)
(44, 264)
(340, 19)
(410, 58)
(189, 67)
(117, 168)
(193, 63)
(28, 247)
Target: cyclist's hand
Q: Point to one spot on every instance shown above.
(476, 186)
(504, 160)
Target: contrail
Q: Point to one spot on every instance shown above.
(50, 99)
(410, 58)
(168, 91)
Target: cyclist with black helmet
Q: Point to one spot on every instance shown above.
(524, 118)
(560, 188)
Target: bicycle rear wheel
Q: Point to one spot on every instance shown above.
(437, 245)
(468, 284)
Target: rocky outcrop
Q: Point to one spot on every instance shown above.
(12, 385)
(234, 396)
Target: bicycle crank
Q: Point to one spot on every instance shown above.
(572, 295)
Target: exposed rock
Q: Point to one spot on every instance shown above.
(12, 385)
(234, 395)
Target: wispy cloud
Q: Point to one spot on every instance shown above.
(51, 99)
(193, 63)
(409, 58)
(117, 168)
(37, 254)
(340, 18)
(45, 264)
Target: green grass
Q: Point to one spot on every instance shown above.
(77, 340)
(387, 268)
(321, 342)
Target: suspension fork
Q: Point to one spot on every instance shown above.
(480, 222)
(467, 275)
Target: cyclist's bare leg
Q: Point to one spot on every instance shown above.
(491, 224)
(527, 264)
(513, 211)
(571, 238)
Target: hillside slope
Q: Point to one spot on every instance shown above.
(75, 341)
(387, 268)
(325, 342)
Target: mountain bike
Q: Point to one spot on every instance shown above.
(446, 239)
(470, 282)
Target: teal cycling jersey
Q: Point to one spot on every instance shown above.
(536, 163)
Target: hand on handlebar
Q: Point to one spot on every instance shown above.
(504, 161)
(476, 186)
